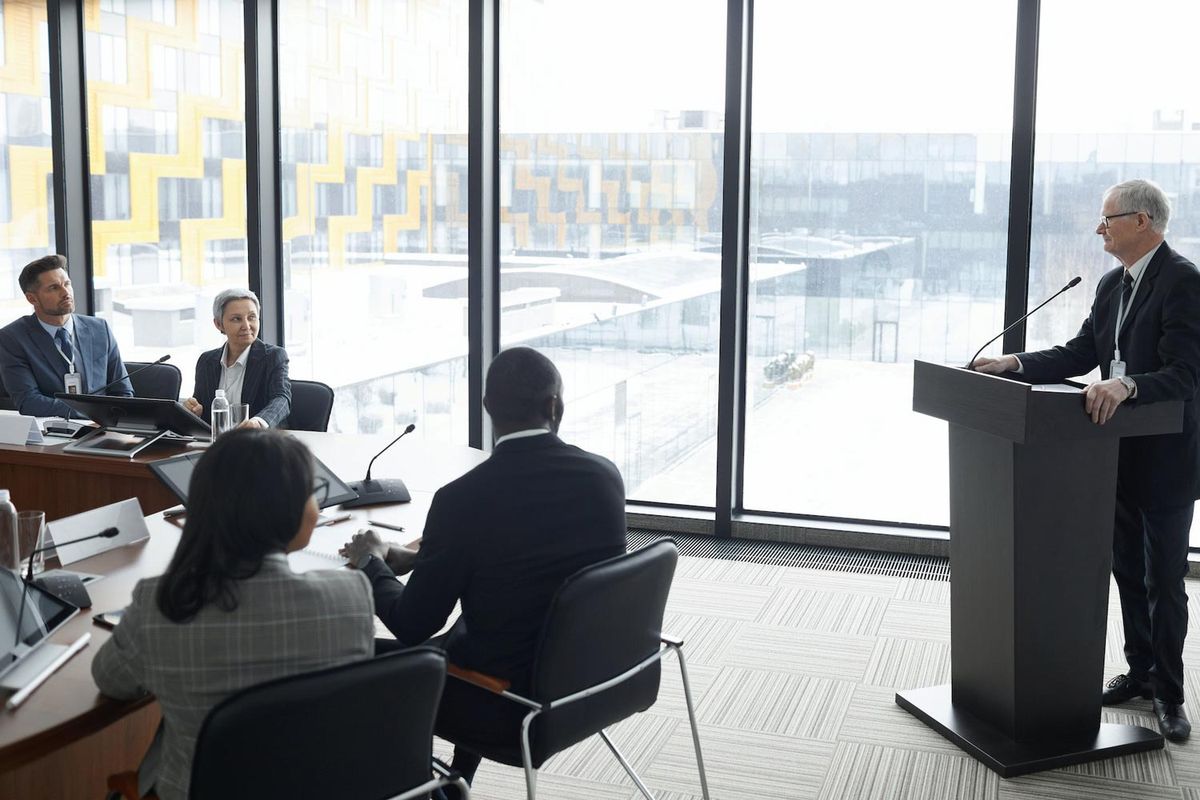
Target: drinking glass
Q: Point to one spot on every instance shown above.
(238, 413)
(31, 531)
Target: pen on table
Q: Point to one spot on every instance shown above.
(336, 518)
(387, 525)
(27, 689)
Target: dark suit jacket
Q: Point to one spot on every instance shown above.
(33, 370)
(502, 539)
(1160, 344)
(266, 387)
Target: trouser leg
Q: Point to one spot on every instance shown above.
(1129, 569)
(1167, 533)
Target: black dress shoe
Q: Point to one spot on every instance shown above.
(1124, 688)
(1172, 720)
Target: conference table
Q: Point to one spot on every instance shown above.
(67, 738)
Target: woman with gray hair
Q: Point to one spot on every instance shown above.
(249, 370)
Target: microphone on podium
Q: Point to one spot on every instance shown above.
(1070, 284)
(129, 374)
(376, 492)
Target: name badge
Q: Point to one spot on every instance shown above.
(1116, 369)
(73, 382)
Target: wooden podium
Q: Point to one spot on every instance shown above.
(1032, 495)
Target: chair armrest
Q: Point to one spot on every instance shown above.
(668, 639)
(488, 682)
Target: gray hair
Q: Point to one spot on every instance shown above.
(1145, 196)
(228, 296)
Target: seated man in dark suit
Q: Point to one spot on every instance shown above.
(54, 350)
(501, 540)
(249, 370)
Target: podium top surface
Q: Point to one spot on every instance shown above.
(1019, 412)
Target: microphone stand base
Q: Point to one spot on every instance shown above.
(374, 493)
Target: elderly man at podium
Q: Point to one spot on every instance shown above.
(1143, 333)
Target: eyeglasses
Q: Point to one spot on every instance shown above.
(1107, 218)
(320, 491)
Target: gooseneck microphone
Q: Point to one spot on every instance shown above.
(373, 492)
(1070, 284)
(129, 374)
(67, 587)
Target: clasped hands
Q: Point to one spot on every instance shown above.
(399, 559)
(1100, 399)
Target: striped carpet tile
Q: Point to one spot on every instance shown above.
(832, 612)
(776, 702)
(865, 772)
(1059, 785)
(821, 654)
(908, 663)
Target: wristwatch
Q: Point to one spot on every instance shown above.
(1129, 385)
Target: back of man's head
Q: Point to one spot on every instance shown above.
(32, 273)
(523, 390)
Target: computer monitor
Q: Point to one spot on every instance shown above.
(41, 614)
(176, 475)
(137, 414)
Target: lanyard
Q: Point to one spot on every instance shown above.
(74, 343)
(1122, 311)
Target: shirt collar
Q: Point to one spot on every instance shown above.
(1139, 266)
(241, 360)
(525, 434)
(53, 329)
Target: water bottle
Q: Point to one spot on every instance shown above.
(10, 544)
(220, 414)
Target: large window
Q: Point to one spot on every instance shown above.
(1100, 125)
(166, 148)
(879, 212)
(610, 195)
(373, 144)
(26, 162)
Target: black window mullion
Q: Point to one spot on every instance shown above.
(264, 227)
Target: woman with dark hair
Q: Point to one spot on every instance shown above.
(229, 612)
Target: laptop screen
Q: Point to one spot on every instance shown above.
(176, 475)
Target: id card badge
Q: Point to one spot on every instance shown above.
(73, 382)
(1116, 369)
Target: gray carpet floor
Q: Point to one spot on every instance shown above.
(794, 672)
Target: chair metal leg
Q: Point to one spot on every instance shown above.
(629, 769)
(687, 695)
(527, 757)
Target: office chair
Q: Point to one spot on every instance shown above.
(598, 661)
(158, 380)
(360, 730)
(312, 403)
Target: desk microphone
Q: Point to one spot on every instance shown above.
(391, 490)
(67, 586)
(1072, 283)
(129, 374)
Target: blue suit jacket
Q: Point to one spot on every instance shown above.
(266, 387)
(33, 370)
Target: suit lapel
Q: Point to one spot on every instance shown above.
(45, 345)
(1145, 287)
(89, 344)
(254, 363)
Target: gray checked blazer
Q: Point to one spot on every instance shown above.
(285, 623)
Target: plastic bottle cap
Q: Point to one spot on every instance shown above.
(220, 393)
(3, 495)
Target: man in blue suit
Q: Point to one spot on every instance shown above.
(53, 350)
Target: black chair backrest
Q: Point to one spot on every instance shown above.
(158, 380)
(312, 403)
(604, 620)
(361, 730)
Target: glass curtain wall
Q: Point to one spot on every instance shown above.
(1100, 123)
(167, 155)
(373, 144)
(879, 212)
(610, 207)
(26, 159)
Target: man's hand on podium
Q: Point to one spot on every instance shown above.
(1100, 399)
(995, 366)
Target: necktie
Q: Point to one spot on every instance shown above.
(64, 343)
(1126, 290)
